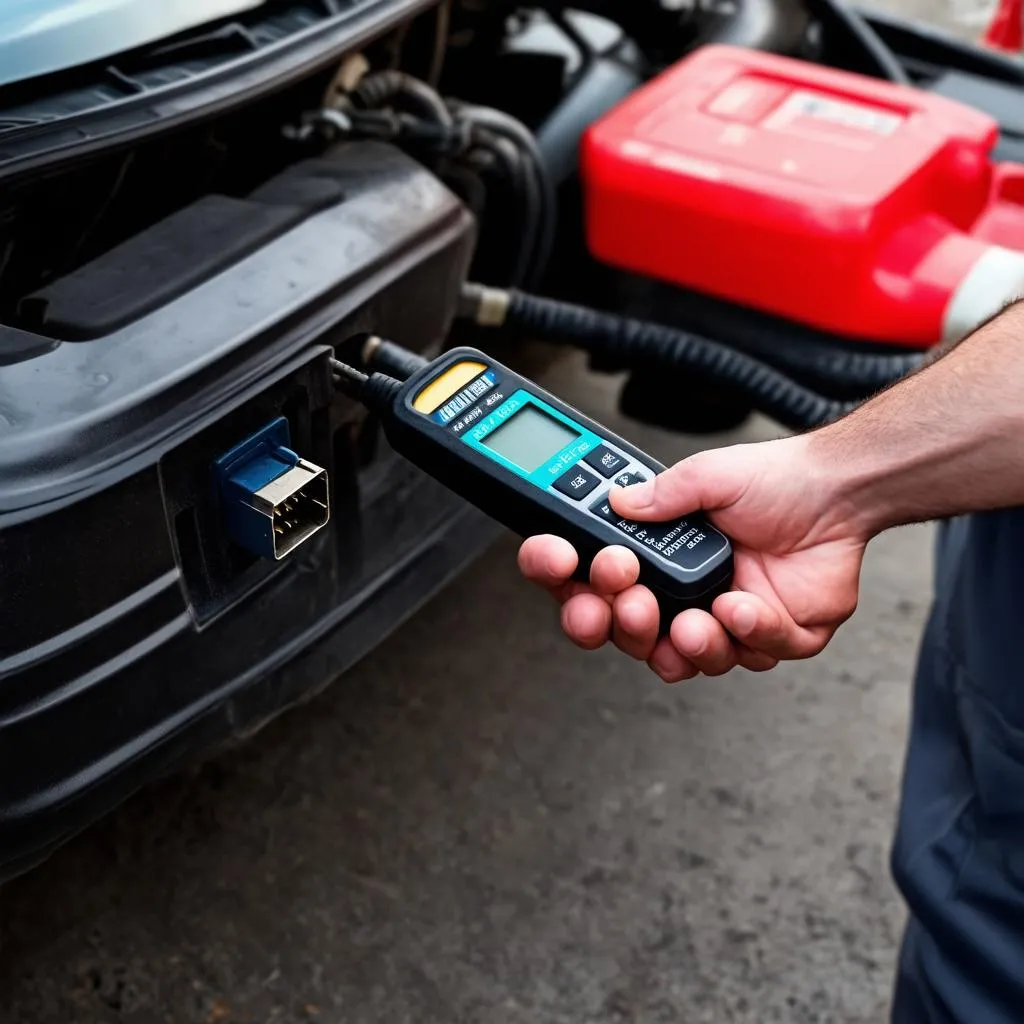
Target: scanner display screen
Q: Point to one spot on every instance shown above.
(529, 438)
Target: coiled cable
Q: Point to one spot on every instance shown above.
(637, 345)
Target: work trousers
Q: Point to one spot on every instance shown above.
(958, 857)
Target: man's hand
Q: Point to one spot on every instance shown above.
(943, 442)
(798, 549)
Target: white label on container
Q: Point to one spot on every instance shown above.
(818, 107)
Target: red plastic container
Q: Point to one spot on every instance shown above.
(863, 208)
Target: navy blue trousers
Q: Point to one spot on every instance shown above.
(958, 858)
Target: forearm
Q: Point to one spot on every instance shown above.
(948, 440)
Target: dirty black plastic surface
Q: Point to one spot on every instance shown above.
(185, 249)
(132, 636)
(151, 269)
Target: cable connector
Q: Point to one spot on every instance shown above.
(485, 306)
(377, 391)
(387, 357)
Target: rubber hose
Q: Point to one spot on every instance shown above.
(528, 196)
(824, 364)
(644, 346)
(857, 374)
(515, 131)
(381, 87)
(835, 368)
(836, 13)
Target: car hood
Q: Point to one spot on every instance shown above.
(40, 36)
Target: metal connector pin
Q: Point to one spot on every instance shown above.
(273, 500)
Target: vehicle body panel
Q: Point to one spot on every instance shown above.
(38, 37)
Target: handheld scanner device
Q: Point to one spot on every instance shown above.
(537, 465)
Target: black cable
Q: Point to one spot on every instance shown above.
(645, 346)
(509, 142)
(382, 87)
(386, 357)
(636, 345)
(507, 126)
(837, 15)
(376, 391)
(527, 195)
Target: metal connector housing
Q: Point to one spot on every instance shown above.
(272, 499)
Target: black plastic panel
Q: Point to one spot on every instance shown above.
(153, 268)
(40, 598)
(75, 417)
(180, 252)
(131, 641)
(1000, 100)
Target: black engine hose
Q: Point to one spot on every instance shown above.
(528, 196)
(644, 346)
(841, 374)
(381, 87)
(852, 369)
(516, 132)
(835, 14)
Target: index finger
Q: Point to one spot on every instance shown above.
(547, 560)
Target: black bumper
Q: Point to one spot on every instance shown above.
(132, 635)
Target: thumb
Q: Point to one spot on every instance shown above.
(695, 483)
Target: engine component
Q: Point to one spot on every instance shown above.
(600, 66)
(448, 134)
(859, 207)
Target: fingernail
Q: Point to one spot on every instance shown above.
(744, 620)
(641, 495)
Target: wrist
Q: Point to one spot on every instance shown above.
(942, 442)
(846, 483)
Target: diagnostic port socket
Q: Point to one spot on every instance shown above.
(272, 499)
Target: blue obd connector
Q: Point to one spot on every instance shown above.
(272, 499)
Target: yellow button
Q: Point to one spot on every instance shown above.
(453, 380)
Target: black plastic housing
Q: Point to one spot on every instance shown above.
(132, 633)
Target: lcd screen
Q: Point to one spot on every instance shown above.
(529, 438)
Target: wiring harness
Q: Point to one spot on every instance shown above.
(395, 107)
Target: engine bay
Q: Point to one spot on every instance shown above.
(95, 156)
